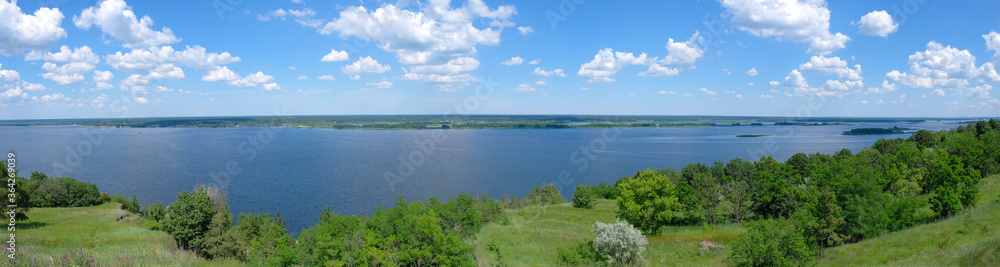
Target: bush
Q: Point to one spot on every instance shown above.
(620, 243)
(648, 200)
(583, 197)
(770, 243)
(605, 191)
(547, 195)
(132, 205)
(580, 254)
(154, 212)
(188, 218)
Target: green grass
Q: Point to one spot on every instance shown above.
(534, 234)
(95, 233)
(952, 241)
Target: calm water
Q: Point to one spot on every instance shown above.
(299, 171)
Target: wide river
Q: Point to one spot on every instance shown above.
(297, 172)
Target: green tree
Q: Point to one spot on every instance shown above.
(546, 195)
(925, 139)
(220, 240)
(583, 197)
(647, 200)
(189, 218)
(770, 243)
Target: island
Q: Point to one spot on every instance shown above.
(869, 131)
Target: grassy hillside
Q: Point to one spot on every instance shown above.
(535, 233)
(972, 241)
(79, 236)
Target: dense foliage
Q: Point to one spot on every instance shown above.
(546, 195)
(770, 243)
(60, 192)
(648, 200)
(584, 197)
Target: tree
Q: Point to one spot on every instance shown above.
(925, 139)
(547, 195)
(583, 197)
(221, 239)
(22, 194)
(189, 218)
(155, 211)
(620, 243)
(647, 200)
(828, 213)
(770, 242)
(708, 190)
(737, 186)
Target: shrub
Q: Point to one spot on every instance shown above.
(648, 200)
(770, 243)
(605, 191)
(580, 254)
(620, 243)
(583, 197)
(546, 195)
(132, 205)
(154, 212)
(188, 218)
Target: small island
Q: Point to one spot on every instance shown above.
(752, 135)
(868, 131)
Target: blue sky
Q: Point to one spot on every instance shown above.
(112, 59)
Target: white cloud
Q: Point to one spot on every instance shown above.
(707, 92)
(525, 30)
(726, 71)
(884, 88)
(535, 61)
(513, 61)
(541, 72)
(20, 31)
(876, 23)
(540, 83)
(326, 78)
(365, 65)
(302, 16)
(607, 62)
(303, 78)
(32, 86)
(524, 88)
(797, 21)
(993, 43)
(763, 96)
(773, 83)
(584, 88)
(220, 74)
(683, 54)
(141, 100)
(355, 77)
(752, 72)
(936, 92)
(335, 55)
(433, 35)
(162, 89)
(750, 84)
(371, 86)
(53, 97)
(667, 93)
(832, 65)
(944, 67)
(102, 76)
(79, 61)
(117, 19)
(145, 59)
(795, 80)
(9, 76)
(656, 70)
(271, 86)
(982, 91)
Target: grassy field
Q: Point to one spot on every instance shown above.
(79, 236)
(535, 233)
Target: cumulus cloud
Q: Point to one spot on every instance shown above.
(608, 62)
(9, 76)
(78, 61)
(792, 20)
(832, 65)
(535, 61)
(335, 55)
(944, 67)
(524, 88)
(303, 77)
(145, 59)
(251, 80)
(752, 72)
(836, 88)
(20, 31)
(544, 73)
(707, 92)
(372, 86)
(365, 65)
(117, 19)
(102, 76)
(326, 77)
(884, 88)
(993, 43)
(876, 23)
(982, 91)
(513, 61)
(435, 34)
(773, 83)
(525, 30)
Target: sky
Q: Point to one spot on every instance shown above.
(801, 58)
